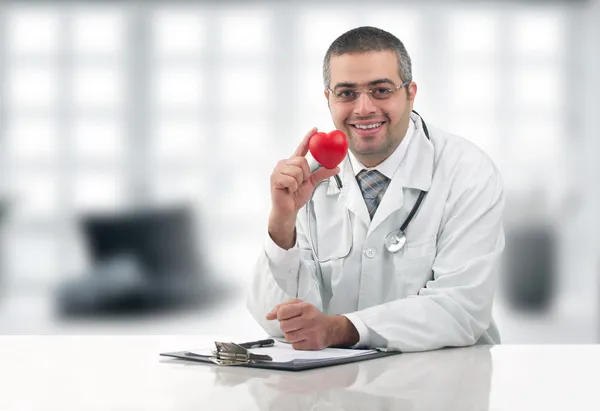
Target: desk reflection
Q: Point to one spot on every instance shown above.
(449, 379)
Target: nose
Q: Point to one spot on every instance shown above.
(364, 105)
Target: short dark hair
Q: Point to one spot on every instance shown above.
(366, 39)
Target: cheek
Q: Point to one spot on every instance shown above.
(339, 115)
(393, 113)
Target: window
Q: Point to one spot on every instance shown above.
(187, 100)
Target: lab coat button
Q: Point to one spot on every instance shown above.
(370, 252)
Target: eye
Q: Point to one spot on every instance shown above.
(380, 92)
(346, 94)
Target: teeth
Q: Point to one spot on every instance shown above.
(367, 127)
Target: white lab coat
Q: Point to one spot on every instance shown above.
(438, 290)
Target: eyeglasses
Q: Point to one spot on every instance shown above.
(378, 93)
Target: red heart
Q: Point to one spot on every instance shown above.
(329, 149)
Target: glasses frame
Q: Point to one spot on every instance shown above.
(369, 91)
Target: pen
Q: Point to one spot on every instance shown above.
(257, 344)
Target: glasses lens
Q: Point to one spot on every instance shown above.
(381, 93)
(347, 95)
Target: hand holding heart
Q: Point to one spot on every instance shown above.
(292, 182)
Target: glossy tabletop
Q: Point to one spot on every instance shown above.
(126, 373)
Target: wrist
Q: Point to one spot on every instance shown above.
(282, 230)
(282, 220)
(342, 332)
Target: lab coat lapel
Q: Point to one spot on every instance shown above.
(350, 196)
(392, 201)
(417, 167)
(414, 172)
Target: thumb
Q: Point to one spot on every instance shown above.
(272, 315)
(322, 173)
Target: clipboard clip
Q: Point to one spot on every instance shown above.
(228, 353)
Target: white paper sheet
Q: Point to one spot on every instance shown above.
(283, 352)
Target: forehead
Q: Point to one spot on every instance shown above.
(361, 68)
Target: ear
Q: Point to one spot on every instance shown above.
(326, 94)
(412, 91)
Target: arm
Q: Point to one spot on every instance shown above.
(288, 290)
(285, 269)
(455, 308)
(281, 275)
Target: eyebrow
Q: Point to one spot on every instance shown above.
(371, 83)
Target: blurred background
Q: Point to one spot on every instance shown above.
(137, 140)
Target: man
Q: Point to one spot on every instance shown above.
(352, 291)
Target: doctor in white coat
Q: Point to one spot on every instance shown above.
(437, 291)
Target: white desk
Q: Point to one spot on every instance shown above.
(126, 373)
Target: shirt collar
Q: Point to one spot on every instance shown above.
(388, 166)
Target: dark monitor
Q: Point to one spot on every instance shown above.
(142, 261)
(162, 240)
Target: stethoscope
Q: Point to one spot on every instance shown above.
(394, 241)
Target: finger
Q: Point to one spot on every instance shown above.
(271, 315)
(292, 301)
(323, 173)
(289, 311)
(293, 171)
(303, 164)
(293, 324)
(282, 182)
(303, 345)
(294, 336)
(303, 147)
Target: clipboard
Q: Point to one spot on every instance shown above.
(232, 354)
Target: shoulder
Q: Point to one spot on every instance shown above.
(456, 157)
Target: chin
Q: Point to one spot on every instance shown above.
(367, 151)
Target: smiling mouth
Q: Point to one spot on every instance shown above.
(367, 130)
(372, 126)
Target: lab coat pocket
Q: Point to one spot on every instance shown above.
(334, 242)
(334, 238)
(413, 266)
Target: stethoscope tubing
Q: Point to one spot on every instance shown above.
(338, 181)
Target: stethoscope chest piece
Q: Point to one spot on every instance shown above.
(395, 241)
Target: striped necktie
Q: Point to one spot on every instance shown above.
(372, 185)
